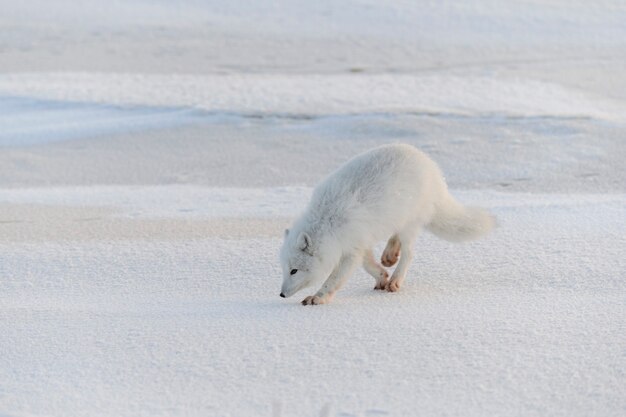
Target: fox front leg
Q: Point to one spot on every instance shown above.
(336, 279)
(375, 269)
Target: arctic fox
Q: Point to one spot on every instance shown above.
(390, 192)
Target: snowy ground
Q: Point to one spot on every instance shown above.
(151, 156)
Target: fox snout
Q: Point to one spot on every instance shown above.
(287, 292)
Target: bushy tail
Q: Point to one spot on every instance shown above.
(457, 223)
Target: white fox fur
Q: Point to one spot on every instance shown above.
(390, 192)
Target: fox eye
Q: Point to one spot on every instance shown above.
(293, 271)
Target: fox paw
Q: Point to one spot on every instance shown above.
(390, 257)
(381, 284)
(312, 300)
(393, 285)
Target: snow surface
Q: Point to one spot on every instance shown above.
(306, 95)
(151, 154)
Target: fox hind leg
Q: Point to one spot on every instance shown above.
(392, 251)
(406, 241)
(375, 269)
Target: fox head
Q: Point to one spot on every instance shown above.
(300, 261)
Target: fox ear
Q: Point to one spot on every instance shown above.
(304, 242)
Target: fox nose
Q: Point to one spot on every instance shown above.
(282, 295)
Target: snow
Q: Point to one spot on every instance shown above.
(152, 154)
(526, 322)
(30, 121)
(169, 201)
(306, 95)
